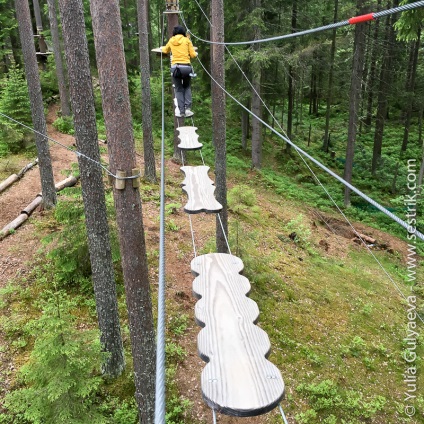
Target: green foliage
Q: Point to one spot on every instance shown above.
(59, 381)
(300, 232)
(178, 324)
(70, 255)
(14, 102)
(126, 413)
(65, 124)
(327, 395)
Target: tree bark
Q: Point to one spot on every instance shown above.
(372, 75)
(383, 92)
(36, 101)
(330, 80)
(219, 122)
(354, 99)
(37, 14)
(244, 128)
(63, 90)
(256, 100)
(410, 84)
(117, 113)
(76, 49)
(146, 103)
(291, 76)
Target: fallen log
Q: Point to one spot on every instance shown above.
(16, 177)
(32, 206)
(8, 182)
(27, 168)
(26, 212)
(365, 238)
(9, 228)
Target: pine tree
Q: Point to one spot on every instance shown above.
(58, 379)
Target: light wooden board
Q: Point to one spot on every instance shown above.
(189, 139)
(200, 190)
(238, 379)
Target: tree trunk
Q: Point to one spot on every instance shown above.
(219, 122)
(256, 99)
(256, 125)
(146, 101)
(117, 113)
(354, 98)
(76, 49)
(410, 84)
(330, 79)
(383, 93)
(372, 75)
(63, 90)
(290, 92)
(244, 128)
(173, 22)
(37, 13)
(36, 100)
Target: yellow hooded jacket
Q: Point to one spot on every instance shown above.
(181, 48)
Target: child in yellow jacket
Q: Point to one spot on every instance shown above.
(182, 50)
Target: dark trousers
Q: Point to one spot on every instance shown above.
(183, 93)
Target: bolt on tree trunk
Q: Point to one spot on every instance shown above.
(117, 113)
(37, 108)
(63, 91)
(76, 48)
(146, 106)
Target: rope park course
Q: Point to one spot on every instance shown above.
(238, 380)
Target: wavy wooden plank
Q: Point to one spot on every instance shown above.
(200, 190)
(238, 379)
(189, 139)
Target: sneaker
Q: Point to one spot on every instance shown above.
(178, 114)
(188, 113)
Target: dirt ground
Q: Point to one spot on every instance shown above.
(18, 249)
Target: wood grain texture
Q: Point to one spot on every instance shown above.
(238, 379)
(189, 139)
(200, 190)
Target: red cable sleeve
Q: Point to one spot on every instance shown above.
(361, 18)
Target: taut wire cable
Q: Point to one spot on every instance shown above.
(282, 414)
(319, 164)
(77, 153)
(160, 405)
(351, 21)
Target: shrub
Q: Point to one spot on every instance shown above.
(59, 383)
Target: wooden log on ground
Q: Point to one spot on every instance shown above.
(13, 225)
(26, 212)
(27, 168)
(8, 182)
(67, 182)
(32, 206)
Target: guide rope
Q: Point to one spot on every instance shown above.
(352, 21)
(316, 162)
(77, 153)
(160, 402)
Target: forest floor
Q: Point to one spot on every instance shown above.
(18, 251)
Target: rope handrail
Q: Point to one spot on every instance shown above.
(352, 21)
(319, 164)
(77, 153)
(160, 404)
